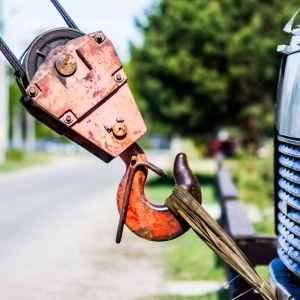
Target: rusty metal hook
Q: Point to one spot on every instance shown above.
(150, 221)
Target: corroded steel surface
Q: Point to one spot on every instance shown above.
(65, 64)
(151, 221)
(83, 85)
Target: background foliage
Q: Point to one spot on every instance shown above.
(207, 64)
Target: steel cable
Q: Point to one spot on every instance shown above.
(12, 59)
(64, 14)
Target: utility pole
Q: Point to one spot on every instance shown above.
(3, 97)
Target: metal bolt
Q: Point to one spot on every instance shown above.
(119, 130)
(32, 91)
(66, 64)
(68, 119)
(118, 77)
(108, 127)
(99, 37)
(119, 119)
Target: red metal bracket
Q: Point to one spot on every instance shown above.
(82, 84)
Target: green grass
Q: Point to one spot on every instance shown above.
(253, 177)
(189, 258)
(24, 160)
(157, 189)
(263, 271)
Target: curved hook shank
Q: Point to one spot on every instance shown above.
(151, 221)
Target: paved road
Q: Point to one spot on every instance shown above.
(57, 231)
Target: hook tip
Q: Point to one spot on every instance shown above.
(184, 176)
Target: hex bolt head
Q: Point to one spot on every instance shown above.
(32, 91)
(99, 37)
(118, 77)
(119, 119)
(108, 127)
(119, 130)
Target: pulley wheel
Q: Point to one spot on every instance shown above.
(43, 44)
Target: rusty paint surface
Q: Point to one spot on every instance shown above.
(93, 125)
(66, 64)
(91, 93)
(150, 221)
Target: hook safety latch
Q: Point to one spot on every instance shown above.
(148, 220)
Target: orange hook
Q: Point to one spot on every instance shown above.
(150, 221)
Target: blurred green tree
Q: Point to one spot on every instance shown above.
(207, 64)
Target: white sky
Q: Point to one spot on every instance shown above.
(25, 19)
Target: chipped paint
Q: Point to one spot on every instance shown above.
(91, 93)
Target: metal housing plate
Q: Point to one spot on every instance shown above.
(94, 98)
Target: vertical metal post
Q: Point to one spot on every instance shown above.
(3, 98)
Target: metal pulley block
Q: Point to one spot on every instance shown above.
(75, 84)
(82, 85)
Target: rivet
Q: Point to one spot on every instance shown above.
(118, 77)
(99, 37)
(68, 119)
(32, 91)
